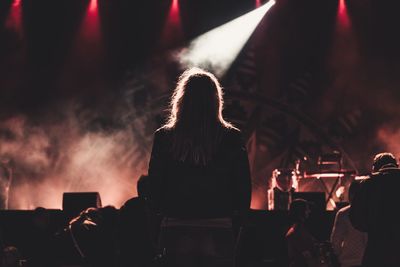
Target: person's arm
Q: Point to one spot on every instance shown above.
(359, 207)
(338, 233)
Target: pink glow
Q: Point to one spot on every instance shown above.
(87, 50)
(258, 3)
(93, 6)
(14, 19)
(83, 162)
(16, 3)
(174, 15)
(90, 25)
(343, 15)
(172, 32)
(88, 42)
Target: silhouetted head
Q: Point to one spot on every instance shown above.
(299, 210)
(196, 116)
(197, 95)
(384, 160)
(41, 218)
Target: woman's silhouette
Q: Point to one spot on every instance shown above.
(199, 176)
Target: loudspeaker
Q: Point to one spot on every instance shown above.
(75, 202)
(317, 198)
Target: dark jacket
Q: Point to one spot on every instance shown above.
(374, 210)
(221, 188)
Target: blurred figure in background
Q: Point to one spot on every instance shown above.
(90, 239)
(11, 257)
(40, 240)
(375, 209)
(283, 184)
(304, 250)
(137, 230)
(348, 243)
(300, 242)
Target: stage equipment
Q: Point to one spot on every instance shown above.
(329, 178)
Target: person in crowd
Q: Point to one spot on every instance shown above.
(348, 243)
(374, 211)
(301, 243)
(198, 176)
(283, 185)
(304, 249)
(90, 239)
(137, 230)
(40, 239)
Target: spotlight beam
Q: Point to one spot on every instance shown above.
(216, 50)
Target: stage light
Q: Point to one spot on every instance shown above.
(342, 15)
(217, 49)
(172, 32)
(93, 6)
(16, 3)
(14, 19)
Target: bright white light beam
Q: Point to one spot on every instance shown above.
(216, 50)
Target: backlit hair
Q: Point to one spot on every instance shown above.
(183, 88)
(196, 116)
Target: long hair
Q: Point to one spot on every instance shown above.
(196, 116)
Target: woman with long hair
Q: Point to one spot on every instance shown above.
(198, 176)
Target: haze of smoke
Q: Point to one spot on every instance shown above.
(390, 137)
(48, 160)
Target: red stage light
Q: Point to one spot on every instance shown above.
(92, 6)
(343, 15)
(90, 25)
(172, 32)
(16, 3)
(174, 12)
(14, 19)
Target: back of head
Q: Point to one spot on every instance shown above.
(196, 116)
(299, 209)
(197, 99)
(384, 160)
